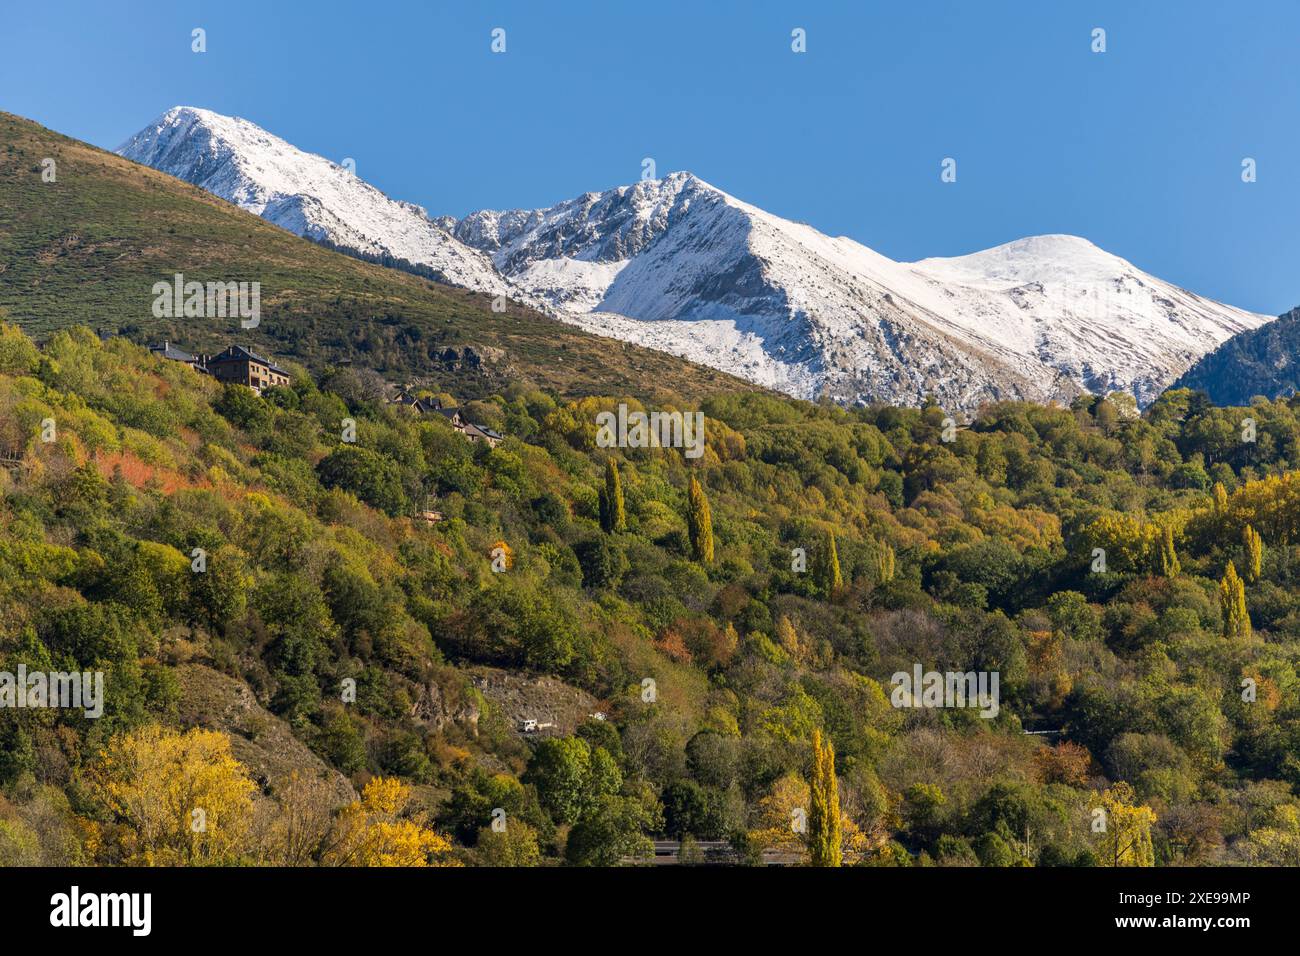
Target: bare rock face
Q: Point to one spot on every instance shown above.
(470, 357)
(447, 700)
(259, 740)
(547, 701)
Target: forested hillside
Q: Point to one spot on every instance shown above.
(314, 685)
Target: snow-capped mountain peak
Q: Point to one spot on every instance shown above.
(304, 193)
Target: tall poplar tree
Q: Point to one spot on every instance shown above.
(1169, 566)
(1254, 546)
(699, 521)
(613, 517)
(1232, 602)
(825, 833)
(828, 571)
(885, 563)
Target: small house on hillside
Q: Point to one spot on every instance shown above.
(168, 351)
(429, 514)
(246, 367)
(422, 406)
(429, 406)
(481, 433)
(452, 415)
(475, 433)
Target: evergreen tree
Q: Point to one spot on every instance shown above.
(700, 523)
(1169, 566)
(1232, 601)
(824, 825)
(1254, 545)
(613, 517)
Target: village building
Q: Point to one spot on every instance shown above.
(168, 351)
(246, 367)
(475, 433)
(428, 406)
(235, 364)
(481, 433)
(422, 406)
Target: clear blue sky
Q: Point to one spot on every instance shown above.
(1139, 148)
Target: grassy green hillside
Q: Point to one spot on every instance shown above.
(87, 249)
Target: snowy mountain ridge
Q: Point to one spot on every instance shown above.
(681, 266)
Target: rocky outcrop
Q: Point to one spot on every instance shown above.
(546, 700)
(446, 700)
(260, 740)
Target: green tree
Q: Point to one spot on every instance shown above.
(601, 561)
(372, 477)
(825, 833)
(699, 521)
(613, 828)
(1254, 548)
(515, 845)
(570, 777)
(612, 515)
(18, 356)
(219, 593)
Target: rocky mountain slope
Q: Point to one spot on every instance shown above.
(1258, 362)
(679, 265)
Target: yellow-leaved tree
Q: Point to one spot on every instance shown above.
(1168, 556)
(1122, 828)
(378, 831)
(780, 821)
(885, 560)
(1232, 602)
(175, 798)
(825, 832)
(699, 522)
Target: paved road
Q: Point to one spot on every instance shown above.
(718, 853)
